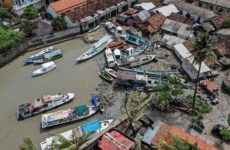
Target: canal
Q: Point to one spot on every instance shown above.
(17, 87)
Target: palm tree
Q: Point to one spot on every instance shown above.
(202, 50)
(27, 145)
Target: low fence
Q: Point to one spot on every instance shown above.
(46, 38)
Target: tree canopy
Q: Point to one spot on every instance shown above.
(27, 145)
(30, 12)
(226, 23)
(59, 23)
(8, 39)
(4, 13)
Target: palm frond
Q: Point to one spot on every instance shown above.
(27, 145)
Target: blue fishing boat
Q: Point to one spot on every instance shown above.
(55, 54)
(39, 55)
(132, 39)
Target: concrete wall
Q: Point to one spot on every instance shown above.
(192, 75)
(215, 8)
(19, 10)
(52, 12)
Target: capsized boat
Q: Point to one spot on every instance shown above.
(55, 54)
(111, 72)
(45, 68)
(140, 60)
(93, 127)
(43, 104)
(112, 28)
(69, 115)
(39, 55)
(97, 48)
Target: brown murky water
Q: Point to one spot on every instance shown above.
(17, 87)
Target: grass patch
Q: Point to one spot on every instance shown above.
(200, 106)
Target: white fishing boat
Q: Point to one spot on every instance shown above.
(140, 60)
(97, 48)
(93, 127)
(111, 72)
(112, 28)
(110, 58)
(46, 67)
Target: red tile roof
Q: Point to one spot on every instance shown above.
(218, 20)
(166, 133)
(155, 22)
(115, 141)
(65, 5)
(180, 18)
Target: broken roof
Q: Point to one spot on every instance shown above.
(115, 141)
(141, 16)
(166, 10)
(166, 133)
(155, 22)
(64, 5)
(193, 9)
(210, 86)
(131, 11)
(219, 20)
(181, 19)
(176, 27)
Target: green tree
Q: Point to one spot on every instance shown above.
(28, 27)
(8, 39)
(202, 50)
(59, 23)
(225, 134)
(4, 13)
(226, 23)
(30, 12)
(228, 119)
(27, 145)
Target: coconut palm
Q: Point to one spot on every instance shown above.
(27, 145)
(202, 50)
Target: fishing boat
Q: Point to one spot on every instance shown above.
(68, 115)
(140, 60)
(97, 48)
(45, 68)
(110, 59)
(132, 39)
(55, 54)
(39, 55)
(111, 72)
(105, 76)
(117, 44)
(43, 104)
(92, 127)
(112, 28)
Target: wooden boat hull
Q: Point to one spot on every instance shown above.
(106, 77)
(115, 45)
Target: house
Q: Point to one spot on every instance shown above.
(218, 6)
(176, 28)
(162, 132)
(182, 19)
(166, 10)
(144, 6)
(218, 21)
(188, 64)
(211, 87)
(194, 12)
(170, 41)
(153, 23)
(114, 140)
(20, 5)
(141, 16)
(61, 7)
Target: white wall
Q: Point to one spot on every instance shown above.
(70, 24)
(52, 12)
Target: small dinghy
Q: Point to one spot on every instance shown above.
(111, 72)
(97, 48)
(115, 45)
(140, 60)
(105, 76)
(45, 68)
